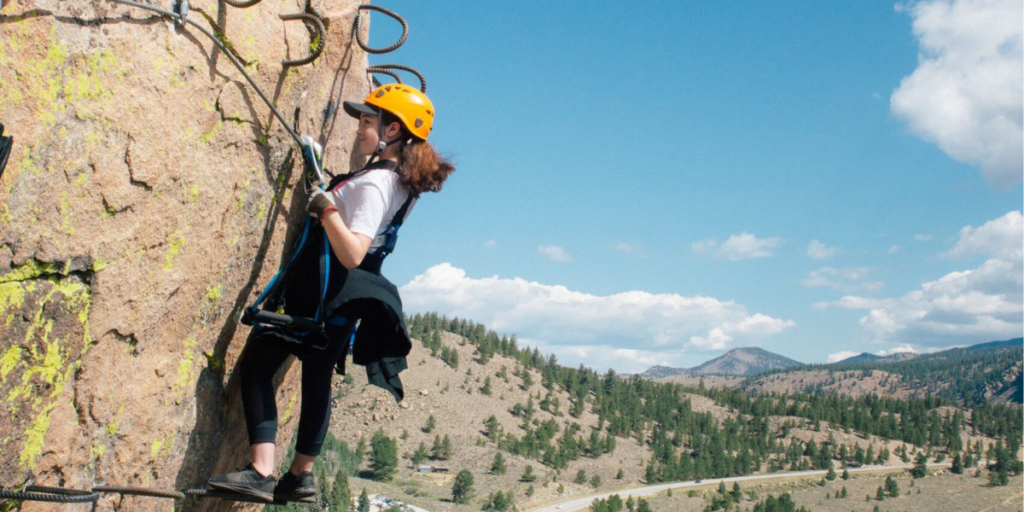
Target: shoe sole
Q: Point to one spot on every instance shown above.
(244, 490)
(294, 499)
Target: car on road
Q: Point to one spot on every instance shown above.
(696, 481)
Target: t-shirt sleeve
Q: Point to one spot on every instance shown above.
(367, 203)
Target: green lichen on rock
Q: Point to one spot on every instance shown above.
(175, 243)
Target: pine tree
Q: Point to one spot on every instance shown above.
(486, 389)
(831, 475)
(498, 465)
(437, 451)
(341, 494)
(383, 456)
(364, 501)
(595, 481)
(958, 465)
(843, 494)
(431, 424)
(581, 477)
(462, 489)
(880, 495)
(420, 455)
(528, 475)
(920, 468)
(892, 487)
(846, 474)
(446, 448)
(620, 475)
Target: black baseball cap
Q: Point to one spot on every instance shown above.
(355, 109)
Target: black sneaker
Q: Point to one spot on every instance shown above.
(248, 482)
(295, 488)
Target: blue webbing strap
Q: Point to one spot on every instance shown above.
(283, 268)
(325, 268)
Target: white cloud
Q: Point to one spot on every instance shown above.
(999, 238)
(632, 249)
(966, 94)
(555, 253)
(924, 237)
(965, 307)
(738, 247)
(847, 279)
(648, 323)
(899, 349)
(820, 251)
(839, 356)
(602, 357)
(894, 249)
(490, 244)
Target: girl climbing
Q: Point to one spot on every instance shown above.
(336, 279)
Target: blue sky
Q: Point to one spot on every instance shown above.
(641, 186)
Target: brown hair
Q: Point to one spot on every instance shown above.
(420, 167)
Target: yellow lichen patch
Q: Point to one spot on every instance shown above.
(46, 364)
(208, 136)
(12, 296)
(43, 81)
(213, 293)
(67, 224)
(175, 243)
(288, 410)
(35, 438)
(185, 365)
(161, 447)
(11, 357)
(87, 84)
(192, 194)
(30, 270)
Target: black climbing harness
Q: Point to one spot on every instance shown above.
(313, 327)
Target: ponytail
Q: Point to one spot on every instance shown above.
(420, 168)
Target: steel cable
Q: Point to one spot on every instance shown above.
(241, 69)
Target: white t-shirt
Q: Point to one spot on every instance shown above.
(369, 202)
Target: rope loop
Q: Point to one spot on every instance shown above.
(357, 23)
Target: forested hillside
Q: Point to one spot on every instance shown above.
(518, 429)
(970, 375)
(662, 416)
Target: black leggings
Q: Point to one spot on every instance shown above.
(260, 360)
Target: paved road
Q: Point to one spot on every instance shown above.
(637, 492)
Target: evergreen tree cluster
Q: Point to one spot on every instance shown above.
(783, 503)
(500, 501)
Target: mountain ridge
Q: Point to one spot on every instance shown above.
(739, 362)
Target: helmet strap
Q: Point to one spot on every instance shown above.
(381, 144)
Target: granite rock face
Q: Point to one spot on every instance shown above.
(149, 196)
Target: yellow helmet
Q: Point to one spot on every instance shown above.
(413, 108)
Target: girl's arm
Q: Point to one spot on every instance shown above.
(349, 247)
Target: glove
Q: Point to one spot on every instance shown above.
(320, 202)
